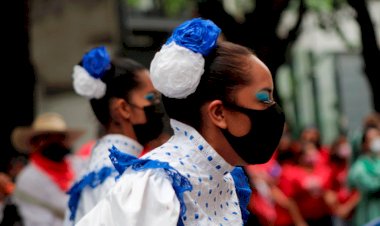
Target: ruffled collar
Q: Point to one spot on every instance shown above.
(214, 196)
(205, 153)
(123, 143)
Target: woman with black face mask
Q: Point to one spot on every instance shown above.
(42, 184)
(219, 97)
(126, 104)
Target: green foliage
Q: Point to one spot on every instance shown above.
(320, 5)
(174, 7)
(132, 3)
(324, 5)
(169, 8)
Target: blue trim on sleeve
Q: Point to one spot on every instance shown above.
(243, 191)
(92, 179)
(180, 184)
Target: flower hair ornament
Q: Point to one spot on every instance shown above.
(87, 78)
(177, 68)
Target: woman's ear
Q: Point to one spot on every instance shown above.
(120, 109)
(216, 113)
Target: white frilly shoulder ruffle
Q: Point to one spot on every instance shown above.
(149, 190)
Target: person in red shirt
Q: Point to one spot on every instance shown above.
(312, 134)
(267, 198)
(261, 203)
(340, 197)
(306, 184)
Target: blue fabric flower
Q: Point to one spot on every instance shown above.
(96, 61)
(198, 35)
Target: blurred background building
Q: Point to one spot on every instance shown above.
(317, 45)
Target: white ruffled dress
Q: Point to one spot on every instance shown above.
(183, 182)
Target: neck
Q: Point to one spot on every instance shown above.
(215, 138)
(125, 129)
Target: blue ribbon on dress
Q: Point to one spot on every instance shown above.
(180, 184)
(92, 179)
(243, 190)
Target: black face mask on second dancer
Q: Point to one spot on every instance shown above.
(154, 125)
(259, 144)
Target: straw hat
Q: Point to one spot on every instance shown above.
(44, 124)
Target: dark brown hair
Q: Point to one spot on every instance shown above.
(225, 70)
(120, 80)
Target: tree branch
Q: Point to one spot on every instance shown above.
(294, 32)
(371, 52)
(214, 10)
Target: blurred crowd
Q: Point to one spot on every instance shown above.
(307, 183)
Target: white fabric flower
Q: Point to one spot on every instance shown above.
(86, 85)
(176, 71)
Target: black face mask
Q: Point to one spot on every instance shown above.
(153, 127)
(259, 144)
(55, 152)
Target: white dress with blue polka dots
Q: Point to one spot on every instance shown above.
(146, 197)
(90, 196)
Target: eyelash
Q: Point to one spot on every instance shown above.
(268, 102)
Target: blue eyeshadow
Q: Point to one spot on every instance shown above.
(263, 96)
(150, 96)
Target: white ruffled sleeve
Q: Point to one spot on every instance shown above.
(144, 198)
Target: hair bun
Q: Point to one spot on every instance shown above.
(87, 79)
(177, 68)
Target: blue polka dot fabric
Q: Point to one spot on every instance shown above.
(100, 153)
(213, 200)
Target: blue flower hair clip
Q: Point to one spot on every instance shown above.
(87, 79)
(96, 62)
(177, 68)
(198, 35)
